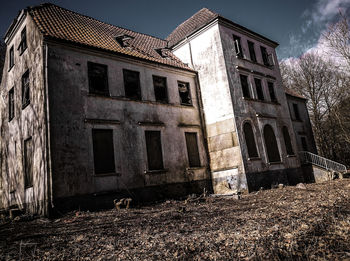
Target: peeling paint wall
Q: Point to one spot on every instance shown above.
(302, 128)
(74, 113)
(206, 53)
(211, 52)
(28, 122)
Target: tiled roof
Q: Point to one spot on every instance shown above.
(192, 24)
(201, 19)
(293, 93)
(59, 23)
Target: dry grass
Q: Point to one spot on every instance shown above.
(278, 224)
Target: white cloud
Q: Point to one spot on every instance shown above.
(326, 10)
(316, 21)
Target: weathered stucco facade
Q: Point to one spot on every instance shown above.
(28, 123)
(220, 53)
(92, 112)
(301, 122)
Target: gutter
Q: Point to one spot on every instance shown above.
(49, 190)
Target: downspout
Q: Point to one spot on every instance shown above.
(47, 125)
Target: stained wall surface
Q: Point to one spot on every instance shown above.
(74, 112)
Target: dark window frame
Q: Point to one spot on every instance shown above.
(155, 159)
(103, 168)
(23, 44)
(193, 155)
(259, 89)
(271, 145)
(94, 78)
(238, 46)
(296, 112)
(158, 89)
(28, 177)
(264, 56)
(11, 57)
(252, 53)
(182, 97)
(272, 92)
(25, 89)
(250, 140)
(245, 86)
(287, 141)
(304, 143)
(130, 91)
(11, 103)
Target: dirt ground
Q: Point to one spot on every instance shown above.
(278, 224)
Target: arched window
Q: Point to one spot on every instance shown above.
(271, 144)
(250, 140)
(287, 141)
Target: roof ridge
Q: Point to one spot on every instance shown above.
(202, 9)
(87, 16)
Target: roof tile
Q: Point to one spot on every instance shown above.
(59, 23)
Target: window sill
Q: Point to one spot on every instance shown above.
(107, 174)
(20, 54)
(271, 67)
(262, 101)
(99, 94)
(186, 104)
(275, 163)
(291, 156)
(11, 119)
(254, 158)
(195, 168)
(158, 171)
(25, 105)
(28, 187)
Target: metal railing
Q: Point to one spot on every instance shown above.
(308, 157)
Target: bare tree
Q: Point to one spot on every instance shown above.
(325, 87)
(337, 38)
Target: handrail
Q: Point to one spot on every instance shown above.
(308, 157)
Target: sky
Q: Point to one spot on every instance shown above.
(295, 24)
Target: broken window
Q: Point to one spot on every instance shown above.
(250, 140)
(192, 149)
(273, 154)
(103, 149)
(25, 89)
(245, 86)
(23, 44)
(252, 51)
(154, 150)
(296, 112)
(160, 89)
(28, 163)
(259, 90)
(238, 46)
(132, 84)
(11, 58)
(11, 104)
(272, 92)
(287, 141)
(265, 56)
(98, 78)
(304, 143)
(184, 92)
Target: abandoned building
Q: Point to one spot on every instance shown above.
(89, 110)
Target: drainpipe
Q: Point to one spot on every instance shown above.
(47, 129)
